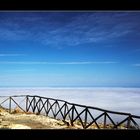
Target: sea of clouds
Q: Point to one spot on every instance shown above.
(115, 99)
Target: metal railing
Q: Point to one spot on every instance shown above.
(86, 116)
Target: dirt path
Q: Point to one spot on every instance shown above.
(28, 121)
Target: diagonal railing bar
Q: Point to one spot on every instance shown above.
(47, 107)
(38, 108)
(55, 109)
(30, 103)
(21, 100)
(39, 105)
(17, 104)
(43, 106)
(111, 120)
(68, 112)
(60, 108)
(4, 101)
(78, 116)
(65, 109)
(33, 104)
(24, 99)
(93, 119)
(72, 115)
(135, 124)
(36, 105)
(10, 104)
(48, 103)
(51, 105)
(121, 122)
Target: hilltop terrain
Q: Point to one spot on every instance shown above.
(18, 119)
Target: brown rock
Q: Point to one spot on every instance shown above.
(17, 110)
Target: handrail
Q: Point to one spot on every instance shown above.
(35, 104)
(90, 107)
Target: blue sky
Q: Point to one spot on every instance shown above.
(70, 48)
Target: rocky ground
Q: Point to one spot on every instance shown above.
(20, 120)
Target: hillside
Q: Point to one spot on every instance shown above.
(18, 119)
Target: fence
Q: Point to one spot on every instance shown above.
(86, 116)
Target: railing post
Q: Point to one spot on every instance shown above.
(65, 111)
(10, 104)
(34, 106)
(105, 120)
(128, 121)
(47, 107)
(56, 103)
(27, 103)
(85, 118)
(39, 106)
(72, 115)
